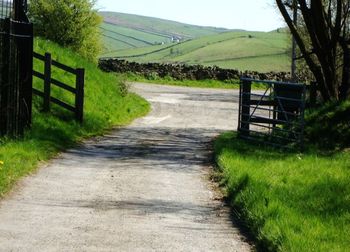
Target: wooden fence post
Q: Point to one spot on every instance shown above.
(79, 96)
(245, 104)
(47, 82)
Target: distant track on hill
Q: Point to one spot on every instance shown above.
(154, 32)
(127, 43)
(126, 36)
(144, 54)
(164, 35)
(245, 57)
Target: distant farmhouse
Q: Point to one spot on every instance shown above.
(176, 39)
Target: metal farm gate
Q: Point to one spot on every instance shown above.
(273, 113)
(16, 64)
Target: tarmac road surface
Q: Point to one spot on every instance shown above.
(144, 187)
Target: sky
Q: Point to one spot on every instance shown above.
(253, 15)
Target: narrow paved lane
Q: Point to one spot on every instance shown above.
(141, 188)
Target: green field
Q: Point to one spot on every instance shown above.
(117, 38)
(257, 51)
(106, 105)
(242, 50)
(159, 26)
(124, 31)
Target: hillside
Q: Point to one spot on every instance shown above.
(123, 31)
(243, 50)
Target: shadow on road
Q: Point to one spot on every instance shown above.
(153, 146)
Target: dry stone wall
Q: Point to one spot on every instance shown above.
(181, 71)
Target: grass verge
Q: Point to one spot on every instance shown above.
(106, 105)
(332, 123)
(154, 79)
(232, 84)
(288, 201)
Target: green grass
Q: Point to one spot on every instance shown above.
(105, 107)
(235, 47)
(232, 84)
(262, 64)
(257, 51)
(135, 51)
(154, 79)
(168, 80)
(288, 201)
(332, 122)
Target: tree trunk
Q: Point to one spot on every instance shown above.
(344, 90)
(324, 30)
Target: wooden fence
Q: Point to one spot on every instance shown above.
(78, 91)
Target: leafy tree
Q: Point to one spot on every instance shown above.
(71, 23)
(324, 42)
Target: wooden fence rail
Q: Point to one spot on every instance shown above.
(78, 91)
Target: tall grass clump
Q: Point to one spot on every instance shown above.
(328, 127)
